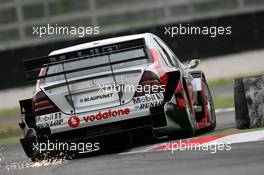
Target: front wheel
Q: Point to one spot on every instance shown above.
(185, 118)
(209, 105)
(191, 128)
(191, 125)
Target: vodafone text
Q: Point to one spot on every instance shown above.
(74, 121)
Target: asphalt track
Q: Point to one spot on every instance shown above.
(244, 158)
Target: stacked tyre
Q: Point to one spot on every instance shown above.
(249, 102)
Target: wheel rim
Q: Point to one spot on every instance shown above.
(209, 105)
(188, 110)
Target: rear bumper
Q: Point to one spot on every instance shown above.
(105, 129)
(129, 125)
(108, 135)
(161, 123)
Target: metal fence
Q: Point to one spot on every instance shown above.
(18, 16)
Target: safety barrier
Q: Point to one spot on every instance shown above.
(249, 102)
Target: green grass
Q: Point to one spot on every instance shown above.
(220, 81)
(9, 112)
(8, 133)
(223, 101)
(229, 80)
(9, 128)
(9, 140)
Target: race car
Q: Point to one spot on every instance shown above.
(127, 85)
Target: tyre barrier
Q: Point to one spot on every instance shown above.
(249, 102)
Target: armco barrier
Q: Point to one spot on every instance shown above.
(249, 102)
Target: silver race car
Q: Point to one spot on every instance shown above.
(126, 86)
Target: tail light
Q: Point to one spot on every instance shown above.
(149, 80)
(163, 75)
(43, 105)
(180, 100)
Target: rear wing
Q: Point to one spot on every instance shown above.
(33, 66)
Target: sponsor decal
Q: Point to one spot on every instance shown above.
(93, 83)
(106, 115)
(150, 104)
(49, 120)
(50, 117)
(103, 96)
(74, 121)
(148, 101)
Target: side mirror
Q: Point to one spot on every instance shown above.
(193, 64)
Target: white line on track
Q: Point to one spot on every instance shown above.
(217, 111)
(240, 138)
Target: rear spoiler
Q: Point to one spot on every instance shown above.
(33, 66)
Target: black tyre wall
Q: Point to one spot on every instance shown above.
(241, 109)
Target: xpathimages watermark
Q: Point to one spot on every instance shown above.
(80, 147)
(123, 87)
(191, 146)
(49, 29)
(212, 31)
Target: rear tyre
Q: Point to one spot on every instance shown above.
(28, 146)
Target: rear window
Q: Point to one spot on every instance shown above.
(118, 60)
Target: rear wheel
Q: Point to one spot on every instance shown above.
(28, 144)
